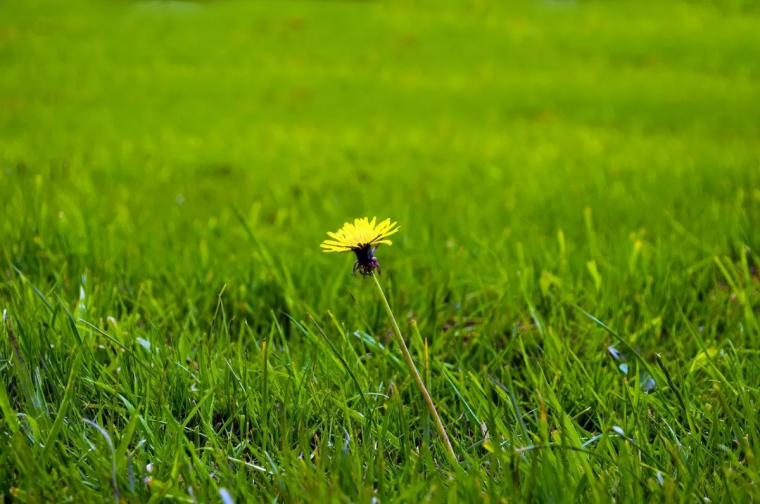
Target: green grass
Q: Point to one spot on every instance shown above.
(569, 177)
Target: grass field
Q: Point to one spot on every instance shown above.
(578, 185)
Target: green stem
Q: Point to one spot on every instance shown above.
(415, 374)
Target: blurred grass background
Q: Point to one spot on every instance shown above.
(605, 153)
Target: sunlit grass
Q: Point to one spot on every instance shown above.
(576, 280)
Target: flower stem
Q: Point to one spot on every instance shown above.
(415, 374)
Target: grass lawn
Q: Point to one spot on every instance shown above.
(576, 274)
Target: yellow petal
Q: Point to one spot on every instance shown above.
(331, 243)
(328, 248)
(336, 236)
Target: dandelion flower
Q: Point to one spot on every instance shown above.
(362, 238)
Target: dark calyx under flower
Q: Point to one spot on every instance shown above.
(366, 262)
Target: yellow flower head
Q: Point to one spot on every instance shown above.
(362, 237)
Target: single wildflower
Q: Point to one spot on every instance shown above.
(362, 238)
